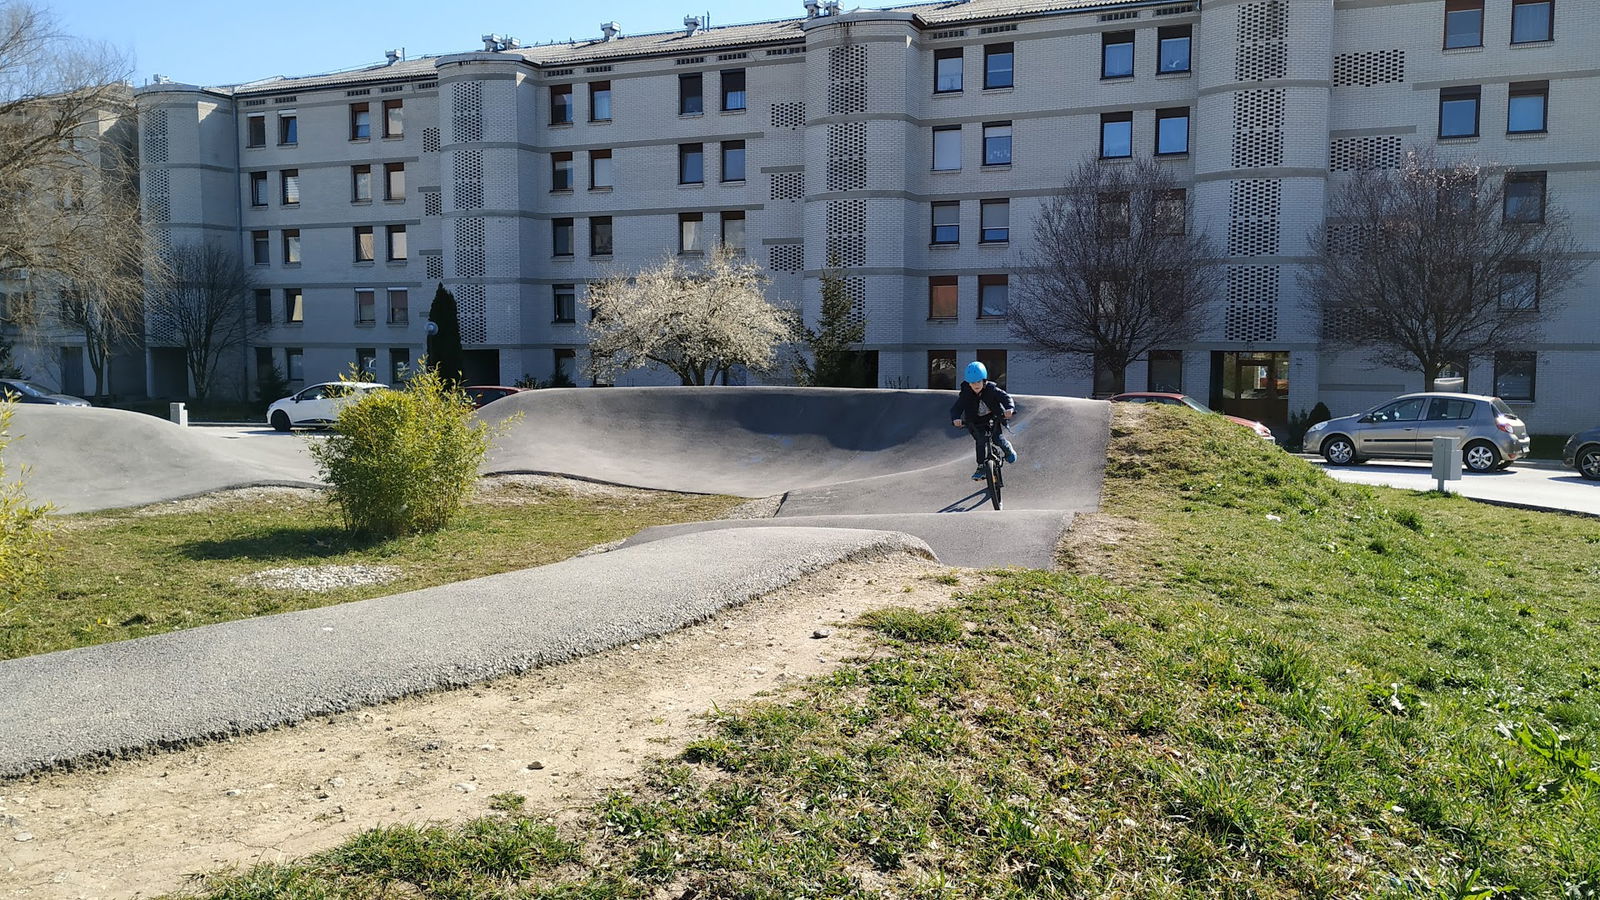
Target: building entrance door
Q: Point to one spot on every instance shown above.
(1252, 385)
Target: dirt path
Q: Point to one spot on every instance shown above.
(560, 737)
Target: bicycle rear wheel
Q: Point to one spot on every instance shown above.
(991, 475)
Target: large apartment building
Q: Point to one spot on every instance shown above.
(909, 147)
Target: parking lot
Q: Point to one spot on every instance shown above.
(1540, 483)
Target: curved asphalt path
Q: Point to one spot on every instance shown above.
(863, 473)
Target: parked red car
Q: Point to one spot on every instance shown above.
(1261, 430)
(484, 394)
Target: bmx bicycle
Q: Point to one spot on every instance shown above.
(994, 462)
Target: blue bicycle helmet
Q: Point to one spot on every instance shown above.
(976, 371)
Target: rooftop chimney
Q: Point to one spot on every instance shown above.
(394, 56)
(811, 9)
(691, 24)
(491, 42)
(830, 7)
(610, 30)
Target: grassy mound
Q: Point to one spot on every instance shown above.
(1258, 682)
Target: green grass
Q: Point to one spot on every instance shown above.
(1274, 685)
(123, 574)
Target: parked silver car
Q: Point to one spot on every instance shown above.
(1583, 453)
(1491, 435)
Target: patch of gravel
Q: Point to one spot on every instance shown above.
(760, 508)
(233, 497)
(319, 579)
(519, 489)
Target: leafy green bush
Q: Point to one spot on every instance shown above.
(403, 462)
(22, 542)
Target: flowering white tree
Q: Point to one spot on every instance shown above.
(699, 324)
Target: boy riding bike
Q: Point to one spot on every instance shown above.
(982, 405)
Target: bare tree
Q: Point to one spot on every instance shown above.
(699, 324)
(1433, 264)
(56, 96)
(203, 305)
(1116, 270)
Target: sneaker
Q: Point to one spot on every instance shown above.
(978, 475)
(1011, 454)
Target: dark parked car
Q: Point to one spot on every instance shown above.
(28, 392)
(1491, 435)
(484, 394)
(1583, 453)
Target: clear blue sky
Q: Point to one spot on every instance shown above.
(232, 42)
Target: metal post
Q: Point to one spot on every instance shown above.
(1446, 461)
(179, 413)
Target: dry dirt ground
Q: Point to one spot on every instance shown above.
(559, 736)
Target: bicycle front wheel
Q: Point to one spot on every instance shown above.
(991, 475)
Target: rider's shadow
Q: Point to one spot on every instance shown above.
(970, 502)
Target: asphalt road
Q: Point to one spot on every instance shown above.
(1537, 483)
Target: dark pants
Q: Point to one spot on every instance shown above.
(980, 434)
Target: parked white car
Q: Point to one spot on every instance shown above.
(318, 405)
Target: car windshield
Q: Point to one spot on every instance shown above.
(26, 387)
(1192, 403)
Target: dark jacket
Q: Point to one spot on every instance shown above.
(966, 406)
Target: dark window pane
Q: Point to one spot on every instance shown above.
(946, 223)
(1458, 114)
(941, 370)
(997, 145)
(733, 160)
(733, 95)
(1116, 55)
(1173, 52)
(1531, 22)
(1116, 135)
(1463, 27)
(1514, 375)
(690, 100)
(998, 64)
(1172, 133)
(947, 71)
(1526, 111)
(691, 164)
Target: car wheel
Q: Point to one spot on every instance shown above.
(1339, 451)
(1588, 462)
(280, 421)
(1481, 456)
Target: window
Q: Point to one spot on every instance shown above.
(361, 184)
(560, 104)
(943, 297)
(691, 164)
(565, 298)
(264, 361)
(1519, 286)
(367, 362)
(733, 160)
(1172, 49)
(998, 66)
(561, 171)
(399, 364)
(258, 189)
(1447, 409)
(363, 243)
(263, 306)
(1116, 135)
(946, 222)
(291, 246)
(941, 370)
(360, 122)
(1514, 376)
(1172, 131)
(947, 71)
(947, 148)
(1532, 21)
(599, 101)
(399, 306)
(1115, 214)
(256, 131)
(1524, 202)
(691, 100)
(733, 95)
(565, 365)
(1171, 212)
(259, 249)
(600, 236)
(397, 243)
(1116, 54)
(394, 181)
(290, 183)
(1528, 107)
(733, 230)
(294, 306)
(288, 129)
(366, 306)
(994, 296)
(1458, 111)
(995, 362)
(294, 361)
(599, 170)
(997, 144)
(561, 237)
(1463, 23)
(994, 221)
(1402, 411)
(394, 118)
(691, 234)
(1166, 371)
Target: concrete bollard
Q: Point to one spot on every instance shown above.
(179, 413)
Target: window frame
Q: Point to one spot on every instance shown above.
(992, 52)
(944, 55)
(356, 181)
(569, 293)
(253, 140)
(263, 306)
(562, 176)
(390, 232)
(390, 308)
(727, 216)
(742, 93)
(1549, 22)
(945, 371)
(938, 287)
(260, 194)
(289, 241)
(260, 247)
(1163, 199)
(1505, 359)
(1541, 179)
(997, 138)
(1167, 357)
(371, 317)
(995, 361)
(596, 225)
(287, 179)
(595, 93)
(1110, 39)
(360, 120)
(934, 225)
(722, 173)
(983, 229)
(288, 128)
(696, 245)
(1453, 7)
(394, 122)
(993, 280)
(363, 251)
(294, 306)
(1521, 267)
(392, 171)
(691, 103)
(1184, 33)
(1460, 95)
(562, 225)
(1526, 89)
(561, 99)
(611, 174)
(937, 131)
(1116, 118)
(686, 152)
(1168, 115)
